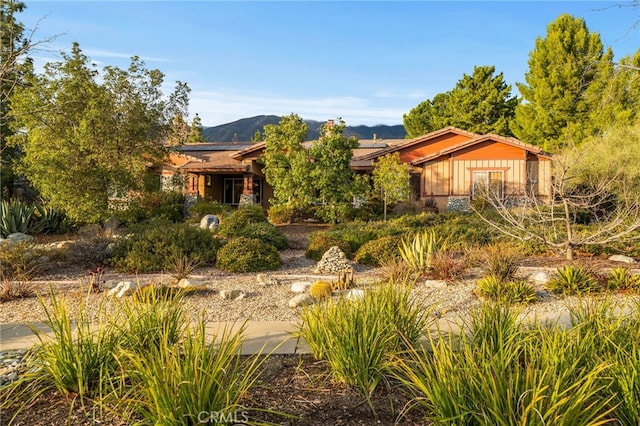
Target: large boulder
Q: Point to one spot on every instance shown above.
(210, 221)
(622, 258)
(19, 237)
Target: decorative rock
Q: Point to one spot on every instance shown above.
(299, 300)
(354, 294)
(210, 221)
(300, 286)
(435, 283)
(110, 226)
(622, 258)
(89, 232)
(539, 277)
(186, 283)
(232, 294)
(333, 261)
(123, 288)
(265, 280)
(19, 237)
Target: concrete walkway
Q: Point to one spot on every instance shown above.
(259, 336)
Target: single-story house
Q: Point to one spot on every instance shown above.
(447, 166)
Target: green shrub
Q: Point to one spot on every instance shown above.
(231, 226)
(502, 262)
(264, 231)
(152, 245)
(202, 207)
(505, 291)
(248, 255)
(281, 214)
(160, 204)
(320, 242)
(464, 230)
(418, 250)
(572, 280)
(379, 251)
(355, 234)
(622, 279)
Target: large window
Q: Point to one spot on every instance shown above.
(233, 188)
(488, 182)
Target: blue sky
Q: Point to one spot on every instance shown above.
(367, 62)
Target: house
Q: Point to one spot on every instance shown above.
(448, 166)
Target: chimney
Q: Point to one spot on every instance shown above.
(375, 137)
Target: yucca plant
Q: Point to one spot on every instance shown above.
(418, 250)
(622, 279)
(512, 291)
(15, 216)
(573, 280)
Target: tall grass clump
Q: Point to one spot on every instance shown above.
(573, 280)
(500, 371)
(183, 384)
(358, 337)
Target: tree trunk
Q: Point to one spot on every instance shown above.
(385, 206)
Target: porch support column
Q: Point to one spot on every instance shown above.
(247, 198)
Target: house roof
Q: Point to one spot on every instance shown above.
(208, 166)
(482, 138)
(421, 139)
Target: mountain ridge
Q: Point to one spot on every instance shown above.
(244, 129)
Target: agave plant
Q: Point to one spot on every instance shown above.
(418, 251)
(15, 216)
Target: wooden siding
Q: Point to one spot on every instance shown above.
(513, 174)
(491, 149)
(436, 178)
(431, 146)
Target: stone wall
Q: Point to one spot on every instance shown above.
(458, 203)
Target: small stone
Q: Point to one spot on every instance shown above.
(302, 299)
(210, 221)
(355, 294)
(265, 280)
(241, 296)
(435, 283)
(622, 258)
(19, 237)
(123, 288)
(230, 294)
(186, 283)
(300, 286)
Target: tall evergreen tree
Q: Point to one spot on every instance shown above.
(481, 103)
(558, 94)
(195, 131)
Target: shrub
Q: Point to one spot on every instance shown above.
(501, 291)
(320, 242)
(320, 289)
(357, 338)
(502, 261)
(418, 250)
(248, 255)
(266, 232)
(447, 265)
(572, 280)
(281, 214)
(379, 251)
(622, 279)
(160, 204)
(202, 207)
(152, 245)
(10, 290)
(20, 261)
(231, 226)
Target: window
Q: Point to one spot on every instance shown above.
(233, 188)
(208, 179)
(488, 181)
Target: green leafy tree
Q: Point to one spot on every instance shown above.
(89, 136)
(481, 103)
(391, 179)
(286, 163)
(257, 136)
(195, 131)
(332, 176)
(559, 93)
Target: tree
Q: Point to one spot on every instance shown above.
(391, 179)
(480, 103)
(195, 131)
(89, 136)
(559, 92)
(286, 163)
(332, 176)
(593, 185)
(14, 63)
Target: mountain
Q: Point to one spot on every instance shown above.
(243, 130)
